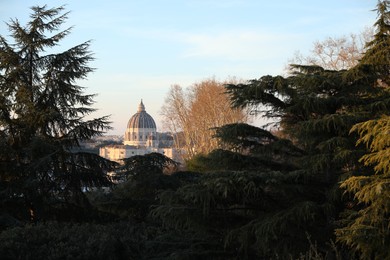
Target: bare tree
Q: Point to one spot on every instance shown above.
(195, 111)
(175, 111)
(336, 53)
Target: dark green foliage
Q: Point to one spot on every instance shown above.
(148, 163)
(144, 178)
(56, 240)
(247, 148)
(221, 159)
(317, 109)
(243, 137)
(261, 202)
(134, 198)
(42, 119)
(72, 241)
(253, 214)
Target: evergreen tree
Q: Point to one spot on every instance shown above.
(366, 226)
(310, 107)
(265, 196)
(281, 194)
(140, 179)
(148, 163)
(317, 109)
(252, 198)
(246, 147)
(42, 119)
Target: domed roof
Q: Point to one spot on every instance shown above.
(141, 119)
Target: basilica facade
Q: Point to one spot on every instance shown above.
(140, 138)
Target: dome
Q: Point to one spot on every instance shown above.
(141, 119)
(141, 129)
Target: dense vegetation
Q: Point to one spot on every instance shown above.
(317, 188)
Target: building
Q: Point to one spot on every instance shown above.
(140, 138)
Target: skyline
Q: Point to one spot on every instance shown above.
(141, 48)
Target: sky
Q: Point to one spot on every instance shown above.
(143, 47)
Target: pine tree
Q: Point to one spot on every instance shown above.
(317, 109)
(42, 119)
(311, 107)
(265, 210)
(140, 178)
(366, 226)
(252, 197)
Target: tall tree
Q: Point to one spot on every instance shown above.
(366, 228)
(317, 108)
(42, 118)
(254, 203)
(336, 53)
(197, 111)
(141, 177)
(264, 196)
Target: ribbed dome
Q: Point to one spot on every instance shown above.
(141, 119)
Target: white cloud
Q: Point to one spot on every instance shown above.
(236, 45)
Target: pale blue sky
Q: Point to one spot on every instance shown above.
(142, 47)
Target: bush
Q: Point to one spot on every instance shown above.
(71, 241)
